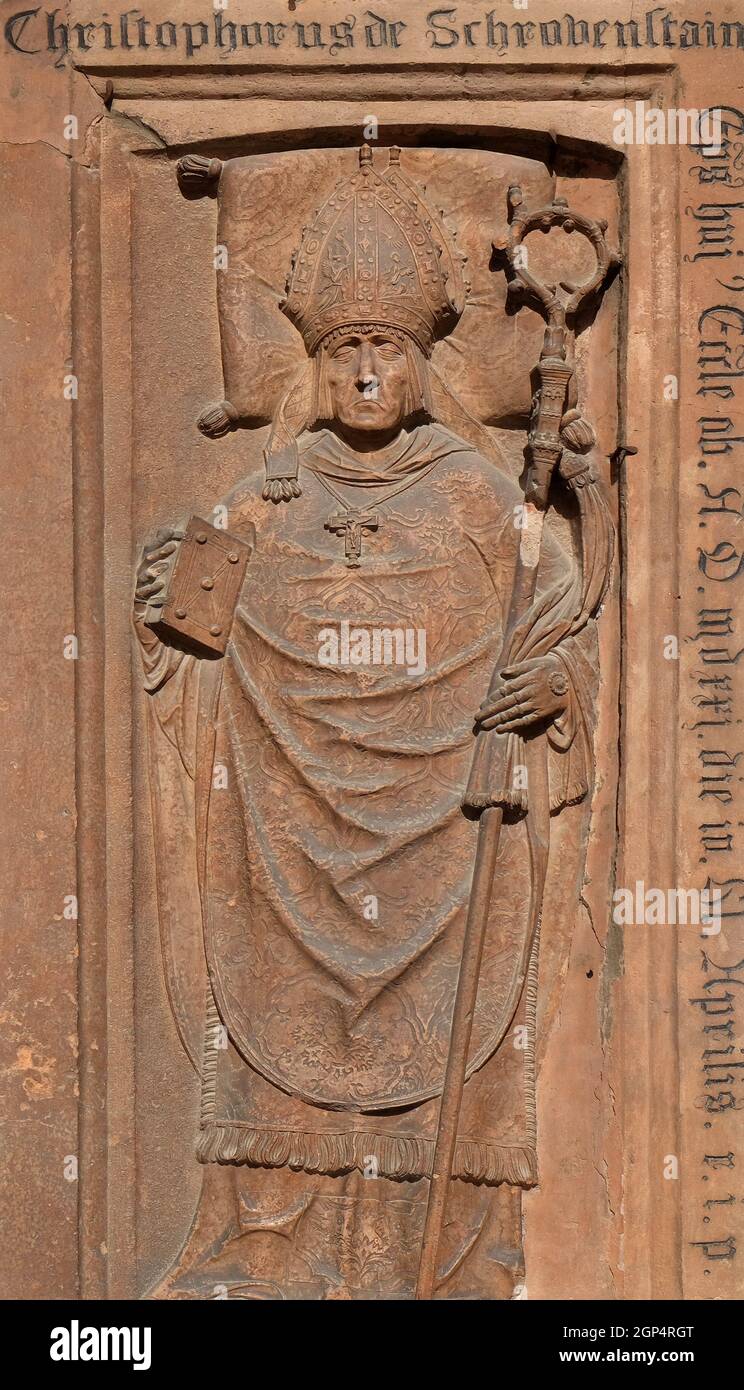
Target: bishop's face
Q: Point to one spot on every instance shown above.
(368, 384)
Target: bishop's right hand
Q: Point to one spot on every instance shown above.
(156, 566)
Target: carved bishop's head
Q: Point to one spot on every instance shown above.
(375, 284)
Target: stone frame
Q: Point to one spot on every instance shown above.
(327, 102)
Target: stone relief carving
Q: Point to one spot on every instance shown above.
(371, 701)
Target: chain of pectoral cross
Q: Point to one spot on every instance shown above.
(352, 522)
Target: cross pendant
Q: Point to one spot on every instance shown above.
(352, 525)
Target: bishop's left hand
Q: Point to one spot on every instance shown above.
(528, 692)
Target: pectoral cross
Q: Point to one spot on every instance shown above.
(352, 525)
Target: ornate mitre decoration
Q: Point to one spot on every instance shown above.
(376, 254)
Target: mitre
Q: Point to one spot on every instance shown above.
(376, 255)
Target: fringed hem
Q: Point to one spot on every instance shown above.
(514, 801)
(390, 1156)
(573, 793)
(209, 1059)
(517, 801)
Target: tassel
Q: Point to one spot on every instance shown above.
(281, 456)
(282, 467)
(218, 420)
